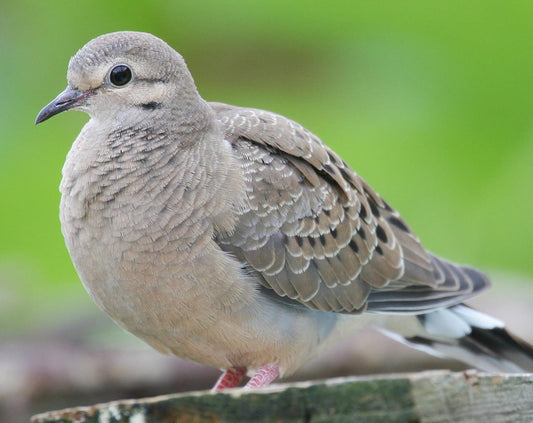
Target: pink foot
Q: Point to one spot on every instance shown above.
(263, 377)
(230, 378)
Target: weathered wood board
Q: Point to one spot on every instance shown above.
(433, 397)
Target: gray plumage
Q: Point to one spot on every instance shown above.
(232, 236)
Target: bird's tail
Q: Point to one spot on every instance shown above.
(465, 334)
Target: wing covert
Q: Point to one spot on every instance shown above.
(312, 229)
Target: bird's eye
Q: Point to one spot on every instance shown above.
(120, 75)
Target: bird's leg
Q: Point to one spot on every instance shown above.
(230, 378)
(263, 377)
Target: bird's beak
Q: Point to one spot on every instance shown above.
(64, 101)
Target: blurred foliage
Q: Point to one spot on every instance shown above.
(431, 102)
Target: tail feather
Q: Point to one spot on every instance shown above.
(501, 344)
(467, 335)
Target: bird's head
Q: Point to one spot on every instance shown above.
(125, 76)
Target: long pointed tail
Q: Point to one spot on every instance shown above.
(465, 334)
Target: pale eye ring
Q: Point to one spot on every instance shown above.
(120, 75)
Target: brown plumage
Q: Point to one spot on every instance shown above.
(316, 232)
(234, 236)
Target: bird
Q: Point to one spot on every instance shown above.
(235, 237)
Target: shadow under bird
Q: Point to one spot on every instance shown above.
(236, 238)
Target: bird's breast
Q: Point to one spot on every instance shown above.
(141, 239)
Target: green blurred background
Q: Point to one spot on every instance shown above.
(431, 102)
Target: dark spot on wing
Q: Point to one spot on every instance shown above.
(346, 175)
(329, 169)
(387, 207)
(362, 212)
(332, 158)
(373, 207)
(398, 223)
(381, 234)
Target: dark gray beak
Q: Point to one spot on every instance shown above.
(64, 101)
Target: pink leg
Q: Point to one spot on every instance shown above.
(263, 377)
(230, 378)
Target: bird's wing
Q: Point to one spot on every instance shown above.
(314, 231)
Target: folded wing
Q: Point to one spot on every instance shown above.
(315, 232)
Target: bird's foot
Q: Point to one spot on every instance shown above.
(263, 377)
(230, 378)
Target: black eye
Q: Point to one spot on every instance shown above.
(120, 75)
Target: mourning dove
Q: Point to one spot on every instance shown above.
(234, 237)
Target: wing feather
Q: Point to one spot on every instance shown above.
(314, 231)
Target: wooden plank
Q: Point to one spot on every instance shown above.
(473, 397)
(436, 396)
